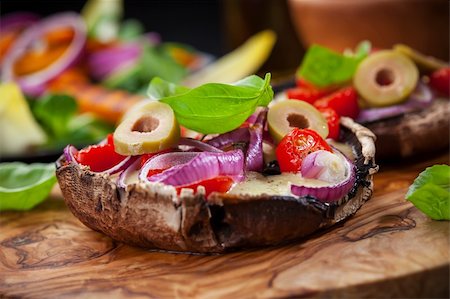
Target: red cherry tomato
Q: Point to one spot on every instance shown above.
(100, 157)
(333, 122)
(440, 81)
(295, 146)
(305, 94)
(344, 101)
(218, 184)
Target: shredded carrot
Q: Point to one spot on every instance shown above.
(59, 37)
(34, 61)
(107, 104)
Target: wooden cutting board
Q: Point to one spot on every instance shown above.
(388, 249)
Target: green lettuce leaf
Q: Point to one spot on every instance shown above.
(214, 108)
(430, 192)
(23, 186)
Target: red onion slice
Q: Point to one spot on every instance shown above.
(332, 192)
(17, 21)
(69, 152)
(325, 166)
(203, 146)
(34, 83)
(235, 136)
(254, 160)
(421, 98)
(122, 180)
(196, 167)
(105, 62)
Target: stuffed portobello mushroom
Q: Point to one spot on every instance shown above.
(399, 94)
(271, 177)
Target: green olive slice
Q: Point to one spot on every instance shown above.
(149, 129)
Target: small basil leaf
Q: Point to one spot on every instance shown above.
(23, 186)
(323, 67)
(430, 192)
(215, 108)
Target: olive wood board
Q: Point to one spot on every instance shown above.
(387, 249)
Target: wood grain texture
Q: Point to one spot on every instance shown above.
(388, 249)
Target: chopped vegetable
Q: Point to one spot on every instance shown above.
(23, 186)
(440, 81)
(430, 192)
(219, 184)
(19, 130)
(99, 157)
(324, 67)
(214, 107)
(339, 186)
(295, 146)
(333, 122)
(241, 62)
(36, 82)
(59, 116)
(309, 95)
(102, 18)
(150, 129)
(344, 101)
(385, 78)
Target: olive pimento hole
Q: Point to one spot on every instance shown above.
(298, 121)
(146, 124)
(385, 77)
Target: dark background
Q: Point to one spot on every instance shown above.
(212, 26)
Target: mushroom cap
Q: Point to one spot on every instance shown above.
(151, 215)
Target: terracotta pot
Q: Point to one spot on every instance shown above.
(340, 24)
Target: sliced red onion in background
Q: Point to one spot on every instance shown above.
(103, 63)
(421, 98)
(196, 167)
(198, 144)
(122, 180)
(33, 84)
(329, 193)
(237, 135)
(17, 21)
(70, 151)
(254, 160)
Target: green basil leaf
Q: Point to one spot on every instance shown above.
(23, 186)
(215, 108)
(160, 88)
(323, 67)
(430, 192)
(54, 111)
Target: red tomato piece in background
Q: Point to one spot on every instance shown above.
(333, 122)
(218, 184)
(304, 94)
(440, 81)
(344, 101)
(100, 157)
(295, 146)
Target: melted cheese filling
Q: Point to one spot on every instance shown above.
(257, 184)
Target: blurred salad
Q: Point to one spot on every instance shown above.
(69, 77)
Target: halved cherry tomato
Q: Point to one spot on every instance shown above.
(218, 184)
(333, 122)
(344, 101)
(99, 157)
(295, 146)
(440, 81)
